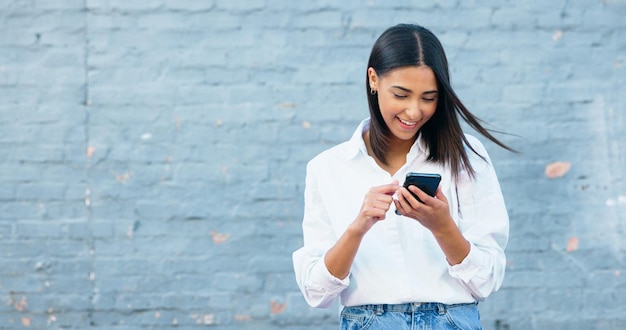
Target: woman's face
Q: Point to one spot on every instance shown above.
(407, 97)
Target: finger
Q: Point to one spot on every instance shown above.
(407, 201)
(399, 208)
(387, 189)
(387, 197)
(403, 195)
(383, 207)
(411, 201)
(407, 209)
(379, 201)
(424, 197)
(440, 196)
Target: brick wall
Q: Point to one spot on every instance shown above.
(153, 152)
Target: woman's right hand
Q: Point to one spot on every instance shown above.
(377, 201)
(375, 205)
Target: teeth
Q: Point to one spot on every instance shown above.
(408, 123)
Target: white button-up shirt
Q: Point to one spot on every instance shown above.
(399, 260)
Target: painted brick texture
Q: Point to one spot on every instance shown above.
(153, 153)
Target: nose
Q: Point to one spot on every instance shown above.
(414, 112)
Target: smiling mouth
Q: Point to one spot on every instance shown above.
(408, 123)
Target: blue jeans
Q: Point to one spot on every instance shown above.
(411, 316)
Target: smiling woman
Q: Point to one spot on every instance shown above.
(426, 261)
(405, 46)
(407, 99)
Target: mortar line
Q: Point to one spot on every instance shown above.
(86, 105)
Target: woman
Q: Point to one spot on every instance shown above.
(396, 262)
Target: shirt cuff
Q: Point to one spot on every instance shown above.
(327, 280)
(468, 268)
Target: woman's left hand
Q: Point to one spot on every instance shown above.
(433, 213)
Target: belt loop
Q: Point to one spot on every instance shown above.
(441, 308)
(379, 309)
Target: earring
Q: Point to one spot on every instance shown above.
(372, 91)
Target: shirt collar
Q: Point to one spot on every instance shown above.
(356, 144)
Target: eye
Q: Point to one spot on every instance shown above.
(399, 96)
(430, 96)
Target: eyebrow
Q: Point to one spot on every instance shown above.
(410, 91)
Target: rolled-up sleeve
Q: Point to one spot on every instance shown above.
(484, 222)
(319, 287)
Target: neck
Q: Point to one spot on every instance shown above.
(395, 155)
(398, 147)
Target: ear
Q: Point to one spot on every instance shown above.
(373, 78)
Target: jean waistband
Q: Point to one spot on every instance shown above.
(412, 307)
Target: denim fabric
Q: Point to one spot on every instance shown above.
(411, 317)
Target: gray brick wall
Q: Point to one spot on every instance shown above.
(152, 153)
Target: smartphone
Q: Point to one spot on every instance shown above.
(427, 182)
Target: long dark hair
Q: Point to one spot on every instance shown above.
(413, 45)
